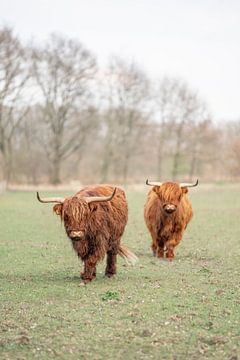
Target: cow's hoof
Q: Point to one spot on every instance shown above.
(109, 275)
(160, 255)
(84, 282)
(87, 281)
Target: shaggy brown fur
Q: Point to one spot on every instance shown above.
(101, 225)
(165, 228)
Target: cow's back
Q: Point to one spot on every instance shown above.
(109, 217)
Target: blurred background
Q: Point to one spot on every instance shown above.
(108, 91)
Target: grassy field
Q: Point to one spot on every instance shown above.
(187, 309)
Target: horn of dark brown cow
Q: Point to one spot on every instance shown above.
(90, 199)
(153, 183)
(50, 200)
(188, 184)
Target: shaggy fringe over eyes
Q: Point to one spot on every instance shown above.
(76, 209)
(170, 191)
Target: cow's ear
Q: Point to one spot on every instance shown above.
(58, 209)
(184, 190)
(156, 189)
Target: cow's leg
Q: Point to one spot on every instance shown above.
(154, 245)
(171, 244)
(111, 267)
(160, 248)
(89, 272)
(154, 249)
(170, 253)
(160, 252)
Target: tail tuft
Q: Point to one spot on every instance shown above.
(127, 255)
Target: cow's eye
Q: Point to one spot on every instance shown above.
(66, 217)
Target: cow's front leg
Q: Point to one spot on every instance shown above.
(160, 248)
(170, 253)
(154, 245)
(111, 267)
(170, 246)
(89, 272)
(154, 249)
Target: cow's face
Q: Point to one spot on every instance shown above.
(170, 195)
(75, 215)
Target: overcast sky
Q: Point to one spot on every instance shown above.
(198, 40)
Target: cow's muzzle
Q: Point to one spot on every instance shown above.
(76, 235)
(169, 208)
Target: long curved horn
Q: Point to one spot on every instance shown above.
(50, 200)
(188, 184)
(181, 184)
(153, 183)
(90, 199)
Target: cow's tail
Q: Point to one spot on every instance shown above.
(127, 255)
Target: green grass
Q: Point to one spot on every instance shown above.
(187, 309)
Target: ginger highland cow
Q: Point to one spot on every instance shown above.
(167, 212)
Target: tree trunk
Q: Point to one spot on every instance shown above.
(159, 159)
(107, 157)
(175, 165)
(6, 151)
(125, 168)
(7, 170)
(177, 154)
(159, 166)
(104, 170)
(105, 166)
(56, 171)
(192, 166)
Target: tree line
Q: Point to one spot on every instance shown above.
(63, 118)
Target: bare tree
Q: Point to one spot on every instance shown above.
(163, 109)
(29, 157)
(13, 77)
(179, 107)
(136, 129)
(63, 70)
(231, 147)
(202, 146)
(127, 98)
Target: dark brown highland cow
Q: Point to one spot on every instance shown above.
(94, 220)
(167, 213)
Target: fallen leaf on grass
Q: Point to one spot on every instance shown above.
(23, 340)
(146, 333)
(234, 357)
(219, 292)
(215, 340)
(227, 311)
(176, 317)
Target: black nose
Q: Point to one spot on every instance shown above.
(170, 211)
(169, 208)
(75, 238)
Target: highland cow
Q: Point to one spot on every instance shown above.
(167, 213)
(94, 220)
